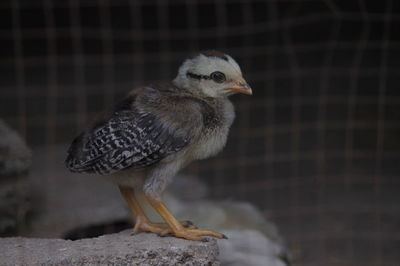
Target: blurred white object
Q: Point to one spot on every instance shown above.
(251, 248)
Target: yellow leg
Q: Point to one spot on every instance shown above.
(142, 223)
(176, 228)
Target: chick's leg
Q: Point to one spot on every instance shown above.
(142, 222)
(176, 228)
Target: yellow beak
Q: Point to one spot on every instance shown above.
(240, 86)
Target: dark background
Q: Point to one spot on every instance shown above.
(316, 147)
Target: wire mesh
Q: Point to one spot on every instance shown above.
(316, 147)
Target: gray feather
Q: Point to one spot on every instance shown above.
(133, 136)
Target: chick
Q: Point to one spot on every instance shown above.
(159, 129)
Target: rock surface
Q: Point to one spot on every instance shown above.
(15, 156)
(114, 249)
(15, 161)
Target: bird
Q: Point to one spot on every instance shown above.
(144, 140)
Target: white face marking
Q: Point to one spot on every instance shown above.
(205, 65)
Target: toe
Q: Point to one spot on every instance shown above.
(206, 233)
(189, 236)
(187, 223)
(165, 232)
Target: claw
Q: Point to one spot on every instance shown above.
(187, 223)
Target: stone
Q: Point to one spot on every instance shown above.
(15, 156)
(114, 249)
(15, 162)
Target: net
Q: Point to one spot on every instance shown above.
(316, 147)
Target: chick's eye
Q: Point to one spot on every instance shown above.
(218, 77)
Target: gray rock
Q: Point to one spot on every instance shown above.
(15, 156)
(114, 249)
(15, 160)
(14, 206)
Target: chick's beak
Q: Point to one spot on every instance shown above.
(240, 86)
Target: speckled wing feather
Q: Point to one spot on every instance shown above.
(139, 133)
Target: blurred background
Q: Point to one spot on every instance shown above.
(316, 148)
